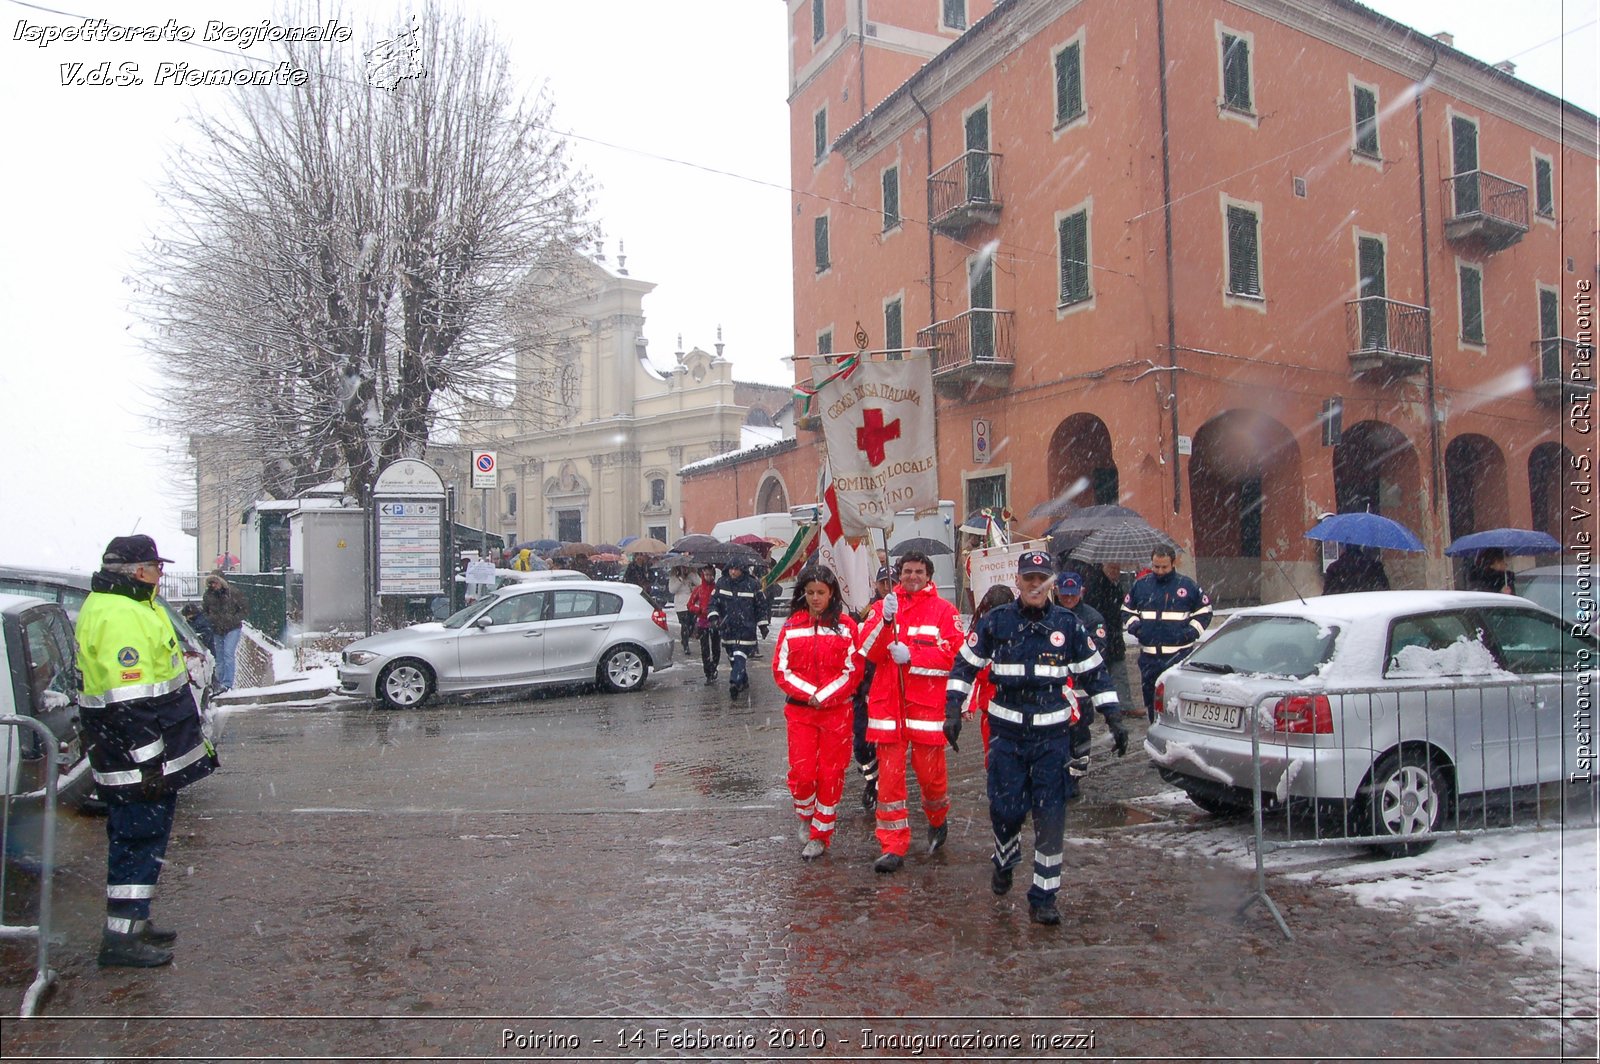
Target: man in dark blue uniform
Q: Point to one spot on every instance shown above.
(1069, 593)
(739, 610)
(1047, 673)
(1166, 612)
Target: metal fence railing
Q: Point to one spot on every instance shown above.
(28, 820)
(1399, 767)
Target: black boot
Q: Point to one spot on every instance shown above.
(130, 951)
(937, 836)
(869, 796)
(157, 936)
(1044, 914)
(1000, 881)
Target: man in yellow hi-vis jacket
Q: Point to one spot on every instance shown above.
(145, 742)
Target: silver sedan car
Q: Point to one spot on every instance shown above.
(1386, 708)
(523, 635)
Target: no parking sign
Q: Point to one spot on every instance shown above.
(485, 469)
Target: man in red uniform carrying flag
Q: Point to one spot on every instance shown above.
(912, 636)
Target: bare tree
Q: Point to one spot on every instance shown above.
(346, 264)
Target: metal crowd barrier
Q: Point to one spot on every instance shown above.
(10, 846)
(1311, 790)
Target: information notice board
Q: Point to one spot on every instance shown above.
(410, 538)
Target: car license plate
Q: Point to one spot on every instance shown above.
(1210, 713)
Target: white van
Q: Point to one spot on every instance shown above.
(939, 526)
(767, 526)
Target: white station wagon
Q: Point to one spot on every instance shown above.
(1385, 708)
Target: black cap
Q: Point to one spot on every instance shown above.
(1035, 562)
(131, 549)
(885, 572)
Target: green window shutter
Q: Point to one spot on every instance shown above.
(1543, 187)
(1549, 314)
(1371, 267)
(1471, 305)
(820, 124)
(1235, 72)
(893, 326)
(1244, 265)
(1069, 84)
(820, 235)
(819, 25)
(891, 197)
(1074, 248)
(1366, 121)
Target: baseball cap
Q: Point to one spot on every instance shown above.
(1069, 584)
(131, 549)
(885, 572)
(1035, 562)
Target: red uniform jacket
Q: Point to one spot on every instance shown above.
(929, 626)
(812, 660)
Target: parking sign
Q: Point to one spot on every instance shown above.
(484, 469)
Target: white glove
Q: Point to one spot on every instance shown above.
(891, 606)
(899, 653)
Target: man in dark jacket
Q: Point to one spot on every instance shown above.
(1166, 612)
(1069, 593)
(226, 608)
(1356, 569)
(739, 610)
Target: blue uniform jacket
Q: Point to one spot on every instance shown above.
(1165, 614)
(1046, 668)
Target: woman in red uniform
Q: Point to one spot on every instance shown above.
(816, 666)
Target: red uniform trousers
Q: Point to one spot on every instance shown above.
(819, 753)
(927, 760)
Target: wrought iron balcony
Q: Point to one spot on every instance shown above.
(966, 192)
(1485, 210)
(1386, 336)
(1559, 373)
(976, 347)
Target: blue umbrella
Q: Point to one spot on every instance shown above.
(1365, 530)
(540, 544)
(1510, 540)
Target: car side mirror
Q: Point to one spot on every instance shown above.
(484, 621)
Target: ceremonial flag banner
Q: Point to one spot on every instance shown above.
(854, 564)
(788, 565)
(988, 566)
(878, 424)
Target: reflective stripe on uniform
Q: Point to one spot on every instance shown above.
(1050, 883)
(119, 779)
(923, 629)
(1039, 720)
(146, 752)
(1104, 697)
(1164, 650)
(882, 723)
(894, 825)
(1054, 672)
(133, 692)
(958, 686)
(914, 724)
(199, 751)
(131, 891)
(972, 659)
(1004, 668)
(923, 670)
(122, 925)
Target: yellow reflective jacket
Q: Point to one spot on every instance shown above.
(127, 650)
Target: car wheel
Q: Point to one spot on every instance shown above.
(623, 668)
(1409, 794)
(404, 684)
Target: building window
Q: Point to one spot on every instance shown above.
(658, 492)
(1244, 252)
(1544, 187)
(819, 238)
(819, 24)
(1069, 83)
(1471, 303)
(891, 198)
(657, 532)
(1072, 244)
(1366, 115)
(1549, 334)
(1236, 73)
(511, 503)
(819, 125)
(825, 342)
(894, 325)
(569, 526)
(953, 14)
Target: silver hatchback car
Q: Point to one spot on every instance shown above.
(523, 635)
(1386, 707)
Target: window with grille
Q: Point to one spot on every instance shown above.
(894, 333)
(1471, 304)
(819, 126)
(953, 14)
(1069, 83)
(1072, 240)
(1366, 111)
(1544, 187)
(1236, 73)
(891, 198)
(1244, 252)
(819, 24)
(819, 236)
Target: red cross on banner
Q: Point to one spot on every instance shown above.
(874, 433)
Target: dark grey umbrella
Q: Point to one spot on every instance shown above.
(725, 554)
(930, 547)
(1092, 517)
(695, 541)
(1126, 542)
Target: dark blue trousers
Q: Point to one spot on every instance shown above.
(136, 833)
(1030, 776)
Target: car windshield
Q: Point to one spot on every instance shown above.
(1556, 594)
(1274, 646)
(460, 618)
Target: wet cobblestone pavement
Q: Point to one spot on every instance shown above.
(617, 877)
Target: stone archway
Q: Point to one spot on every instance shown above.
(1475, 480)
(1377, 469)
(771, 498)
(1079, 460)
(1553, 494)
(1245, 491)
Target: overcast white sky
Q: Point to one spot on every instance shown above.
(703, 83)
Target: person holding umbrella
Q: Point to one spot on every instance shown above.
(1356, 569)
(681, 584)
(700, 611)
(1490, 571)
(1166, 612)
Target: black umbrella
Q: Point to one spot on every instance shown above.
(1125, 541)
(1092, 517)
(696, 541)
(930, 547)
(725, 554)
